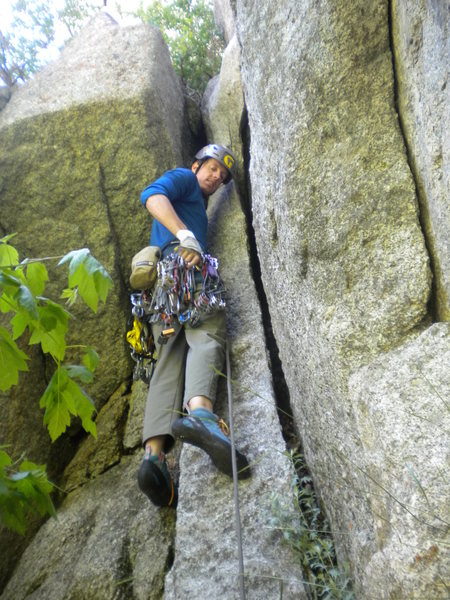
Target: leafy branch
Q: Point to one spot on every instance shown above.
(23, 491)
(22, 287)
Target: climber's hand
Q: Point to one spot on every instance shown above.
(189, 249)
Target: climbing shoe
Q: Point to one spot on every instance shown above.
(155, 481)
(204, 429)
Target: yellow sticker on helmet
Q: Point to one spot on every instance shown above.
(228, 160)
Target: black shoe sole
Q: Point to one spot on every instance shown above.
(219, 450)
(154, 485)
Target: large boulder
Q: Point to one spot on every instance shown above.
(268, 565)
(78, 143)
(344, 265)
(399, 404)
(224, 18)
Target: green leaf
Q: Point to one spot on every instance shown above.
(63, 398)
(80, 372)
(87, 289)
(19, 323)
(26, 300)
(84, 405)
(5, 239)
(103, 283)
(12, 514)
(38, 473)
(8, 281)
(5, 459)
(7, 303)
(50, 330)
(76, 258)
(90, 359)
(8, 255)
(57, 413)
(22, 492)
(12, 360)
(37, 276)
(18, 476)
(91, 264)
(70, 295)
(89, 275)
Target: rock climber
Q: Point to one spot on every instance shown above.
(182, 390)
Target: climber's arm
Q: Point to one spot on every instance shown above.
(161, 209)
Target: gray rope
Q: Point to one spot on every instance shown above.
(235, 475)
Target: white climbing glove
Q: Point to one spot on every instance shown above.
(188, 241)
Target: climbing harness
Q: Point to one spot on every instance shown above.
(173, 299)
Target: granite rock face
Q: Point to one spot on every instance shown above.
(78, 144)
(224, 17)
(109, 541)
(399, 402)
(344, 122)
(344, 263)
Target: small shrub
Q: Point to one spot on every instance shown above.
(307, 531)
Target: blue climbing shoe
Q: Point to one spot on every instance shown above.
(155, 481)
(203, 429)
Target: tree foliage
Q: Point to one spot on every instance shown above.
(194, 42)
(31, 31)
(74, 13)
(22, 286)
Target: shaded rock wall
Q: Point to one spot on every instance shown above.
(347, 277)
(71, 172)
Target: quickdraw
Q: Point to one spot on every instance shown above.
(173, 298)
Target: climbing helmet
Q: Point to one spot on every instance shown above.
(221, 154)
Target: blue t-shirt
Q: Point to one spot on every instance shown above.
(182, 188)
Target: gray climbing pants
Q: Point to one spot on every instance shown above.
(188, 365)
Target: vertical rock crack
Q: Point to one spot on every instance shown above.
(432, 308)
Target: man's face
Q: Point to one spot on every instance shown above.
(210, 175)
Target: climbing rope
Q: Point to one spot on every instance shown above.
(235, 475)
